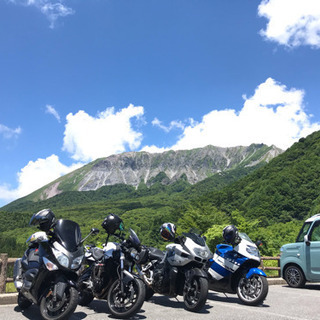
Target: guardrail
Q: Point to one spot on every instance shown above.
(263, 267)
(5, 261)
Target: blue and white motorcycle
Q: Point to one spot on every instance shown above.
(234, 269)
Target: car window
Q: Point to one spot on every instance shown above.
(303, 231)
(315, 232)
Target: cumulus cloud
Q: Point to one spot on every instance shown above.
(35, 175)
(88, 138)
(51, 9)
(51, 110)
(274, 115)
(8, 133)
(292, 22)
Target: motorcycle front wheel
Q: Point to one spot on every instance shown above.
(52, 309)
(124, 304)
(23, 302)
(195, 294)
(85, 297)
(252, 291)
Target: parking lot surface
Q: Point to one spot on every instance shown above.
(282, 303)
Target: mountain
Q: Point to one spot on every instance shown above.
(136, 168)
(285, 189)
(268, 201)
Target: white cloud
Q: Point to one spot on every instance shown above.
(51, 9)
(274, 115)
(173, 124)
(292, 22)
(51, 110)
(8, 133)
(154, 149)
(35, 175)
(88, 138)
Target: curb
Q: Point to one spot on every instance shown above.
(273, 281)
(11, 298)
(8, 298)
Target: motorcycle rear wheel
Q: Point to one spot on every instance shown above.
(59, 310)
(252, 291)
(195, 294)
(125, 304)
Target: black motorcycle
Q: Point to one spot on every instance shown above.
(46, 274)
(177, 271)
(108, 275)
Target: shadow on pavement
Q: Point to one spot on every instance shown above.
(231, 298)
(100, 306)
(174, 303)
(309, 286)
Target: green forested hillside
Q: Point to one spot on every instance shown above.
(269, 203)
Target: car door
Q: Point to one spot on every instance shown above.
(313, 253)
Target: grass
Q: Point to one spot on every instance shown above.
(10, 288)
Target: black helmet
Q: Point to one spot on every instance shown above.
(44, 218)
(230, 233)
(112, 223)
(168, 231)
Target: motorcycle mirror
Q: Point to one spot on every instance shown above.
(258, 243)
(94, 231)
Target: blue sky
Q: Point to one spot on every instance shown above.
(81, 80)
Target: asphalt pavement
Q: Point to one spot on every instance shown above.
(282, 303)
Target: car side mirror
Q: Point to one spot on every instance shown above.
(306, 240)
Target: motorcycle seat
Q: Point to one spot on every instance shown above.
(155, 254)
(97, 253)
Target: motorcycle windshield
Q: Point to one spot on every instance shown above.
(245, 236)
(134, 239)
(68, 234)
(196, 238)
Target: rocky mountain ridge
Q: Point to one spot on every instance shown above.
(134, 168)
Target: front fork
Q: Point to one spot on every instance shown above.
(121, 271)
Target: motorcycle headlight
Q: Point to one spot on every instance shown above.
(76, 263)
(203, 253)
(61, 257)
(253, 251)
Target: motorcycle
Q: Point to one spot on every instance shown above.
(46, 274)
(234, 269)
(109, 276)
(177, 271)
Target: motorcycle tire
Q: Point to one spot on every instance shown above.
(252, 291)
(23, 302)
(85, 297)
(59, 310)
(149, 293)
(125, 304)
(195, 294)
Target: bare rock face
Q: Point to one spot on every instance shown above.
(132, 168)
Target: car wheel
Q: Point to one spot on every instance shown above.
(294, 276)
